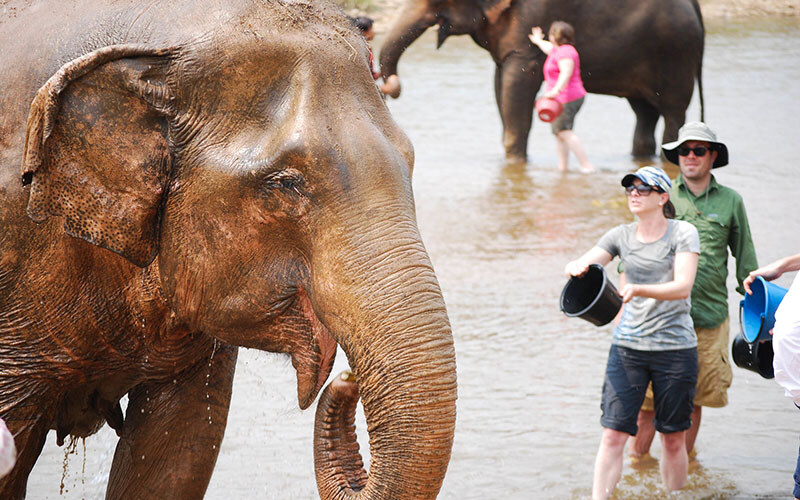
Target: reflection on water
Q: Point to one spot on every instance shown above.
(499, 235)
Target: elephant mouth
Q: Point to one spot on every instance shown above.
(313, 361)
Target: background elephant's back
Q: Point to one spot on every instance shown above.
(611, 44)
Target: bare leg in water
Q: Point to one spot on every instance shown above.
(639, 445)
(568, 141)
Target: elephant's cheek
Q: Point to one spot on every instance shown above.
(312, 360)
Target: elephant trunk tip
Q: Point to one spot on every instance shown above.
(336, 457)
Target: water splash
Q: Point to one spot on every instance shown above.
(71, 449)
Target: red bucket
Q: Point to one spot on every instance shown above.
(548, 109)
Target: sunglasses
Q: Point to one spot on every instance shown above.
(642, 189)
(698, 151)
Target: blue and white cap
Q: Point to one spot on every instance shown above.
(650, 175)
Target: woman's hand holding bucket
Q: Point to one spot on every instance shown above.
(576, 268)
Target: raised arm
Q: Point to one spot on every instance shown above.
(537, 38)
(679, 288)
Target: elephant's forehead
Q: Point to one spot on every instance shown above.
(253, 59)
(322, 46)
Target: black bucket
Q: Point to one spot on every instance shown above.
(756, 357)
(591, 297)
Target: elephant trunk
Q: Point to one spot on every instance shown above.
(400, 347)
(336, 456)
(411, 24)
(408, 463)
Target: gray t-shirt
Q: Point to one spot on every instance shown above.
(649, 324)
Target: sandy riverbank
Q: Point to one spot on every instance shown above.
(384, 11)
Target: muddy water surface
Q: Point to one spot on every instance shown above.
(499, 236)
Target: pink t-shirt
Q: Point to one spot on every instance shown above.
(574, 89)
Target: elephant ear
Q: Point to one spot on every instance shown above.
(493, 9)
(96, 148)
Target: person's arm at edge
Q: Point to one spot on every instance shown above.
(679, 288)
(773, 270)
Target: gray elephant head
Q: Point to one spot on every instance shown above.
(245, 155)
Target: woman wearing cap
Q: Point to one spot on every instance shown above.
(562, 77)
(654, 339)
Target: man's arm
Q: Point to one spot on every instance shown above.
(741, 245)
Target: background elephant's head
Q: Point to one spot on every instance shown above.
(454, 17)
(260, 168)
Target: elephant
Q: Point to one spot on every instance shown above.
(180, 179)
(647, 51)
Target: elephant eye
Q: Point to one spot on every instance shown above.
(289, 181)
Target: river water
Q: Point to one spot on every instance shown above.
(499, 236)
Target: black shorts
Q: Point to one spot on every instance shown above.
(566, 120)
(628, 371)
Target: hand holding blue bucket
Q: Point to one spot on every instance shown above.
(591, 297)
(757, 310)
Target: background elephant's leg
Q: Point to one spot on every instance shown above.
(27, 423)
(518, 86)
(498, 91)
(673, 120)
(172, 433)
(644, 138)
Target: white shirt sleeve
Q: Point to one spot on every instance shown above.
(786, 342)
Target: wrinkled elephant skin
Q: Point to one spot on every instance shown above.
(647, 51)
(181, 178)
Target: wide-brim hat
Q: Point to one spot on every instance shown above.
(696, 131)
(650, 175)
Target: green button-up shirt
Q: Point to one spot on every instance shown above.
(718, 214)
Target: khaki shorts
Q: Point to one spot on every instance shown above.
(714, 374)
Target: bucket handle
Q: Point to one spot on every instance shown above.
(741, 325)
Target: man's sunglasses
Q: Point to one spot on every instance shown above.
(698, 151)
(642, 189)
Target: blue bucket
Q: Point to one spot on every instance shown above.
(757, 311)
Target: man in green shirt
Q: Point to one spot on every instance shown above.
(718, 214)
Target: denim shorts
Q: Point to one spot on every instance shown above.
(566, 119)
(628, 371)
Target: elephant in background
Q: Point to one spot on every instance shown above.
(181, 178)
(647, 51)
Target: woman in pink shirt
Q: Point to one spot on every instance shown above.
(562, 77)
